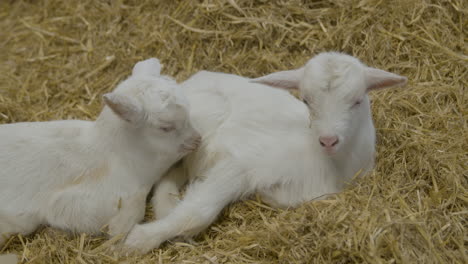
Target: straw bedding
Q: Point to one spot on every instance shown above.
(58, 57)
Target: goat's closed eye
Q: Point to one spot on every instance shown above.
(305, 102)
(357, 103)
(167, 128)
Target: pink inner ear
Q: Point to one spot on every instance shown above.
(123, 107)
(284, 84)
(378, 79)
(386, 83)
(284, 79)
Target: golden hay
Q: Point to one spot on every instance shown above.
(58, 57)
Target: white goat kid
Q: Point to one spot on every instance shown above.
(256, 138)
(82, 175)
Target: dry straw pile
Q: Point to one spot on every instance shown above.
(58, 57)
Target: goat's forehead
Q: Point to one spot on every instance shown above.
(332, 76)
(168, 102)
(154, 94)
(172, 113)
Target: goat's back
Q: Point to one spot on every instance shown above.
(33, 151)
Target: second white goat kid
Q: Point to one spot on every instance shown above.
(260, 139)
(83, 175)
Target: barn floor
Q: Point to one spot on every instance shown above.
(58, 57)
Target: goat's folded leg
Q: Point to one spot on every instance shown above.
(167, 191)
(131, 212)
(202, 203)
(24, 225)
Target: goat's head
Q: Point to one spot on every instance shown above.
(156, 109)
(334, 87)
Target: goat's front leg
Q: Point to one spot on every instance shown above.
(131, 212)
(202, 203)
(167, 191)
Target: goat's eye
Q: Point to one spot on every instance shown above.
(167, 128)
(358, 102)
(305, 102)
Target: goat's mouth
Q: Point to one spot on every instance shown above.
(190, 145)
(330, 151)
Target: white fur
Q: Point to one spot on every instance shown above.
(256, 138)
(82, 175)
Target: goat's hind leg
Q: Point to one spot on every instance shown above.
(10, 225)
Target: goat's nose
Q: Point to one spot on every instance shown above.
(328, 141)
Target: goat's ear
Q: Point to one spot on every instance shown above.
(149, 67)
(283, 79)
(124, 107)
(378, 79)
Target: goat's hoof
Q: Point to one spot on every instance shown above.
(140, 240)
